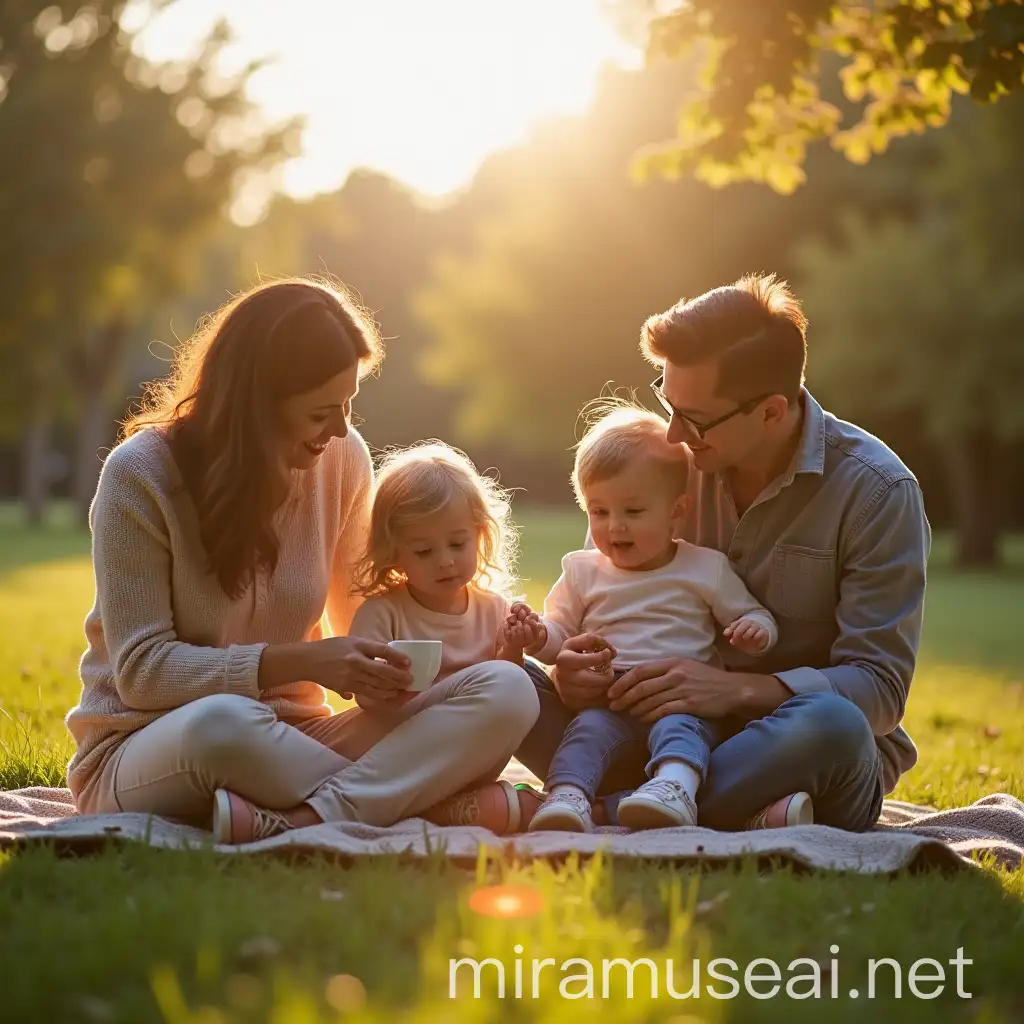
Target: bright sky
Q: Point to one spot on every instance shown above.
(421, 89)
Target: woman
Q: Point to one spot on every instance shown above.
(225, 526)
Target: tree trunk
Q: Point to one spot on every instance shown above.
(92, 433)
(35, 481)
(974, 490)
(96, 371)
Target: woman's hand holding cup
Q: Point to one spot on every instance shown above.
(367, 669)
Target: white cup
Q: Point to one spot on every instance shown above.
(425, 656)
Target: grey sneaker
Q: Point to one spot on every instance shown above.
(658, 803)
(563, 811)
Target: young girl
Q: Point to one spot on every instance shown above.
(437, 567)
(640, 595)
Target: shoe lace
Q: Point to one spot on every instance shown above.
(464, 810)
(759, 820)
(268, 823)
(664, 789)
(576, 801)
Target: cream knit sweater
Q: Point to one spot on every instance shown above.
(162, 631)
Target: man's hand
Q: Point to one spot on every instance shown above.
(583, 670)
(679, 686)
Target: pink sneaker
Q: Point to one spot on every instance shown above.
(236, 820)
(795, 809)
(499, 807)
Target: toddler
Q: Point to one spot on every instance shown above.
(437, 567)
(639, 595)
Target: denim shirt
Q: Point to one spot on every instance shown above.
(836, 549)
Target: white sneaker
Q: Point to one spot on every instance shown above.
(658, 803)
(563, 811)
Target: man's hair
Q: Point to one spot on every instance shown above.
(755, 330)
(621, 434)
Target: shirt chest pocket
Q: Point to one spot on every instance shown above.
(803, 583)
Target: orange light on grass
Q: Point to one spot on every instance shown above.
(345, 993)
(506, 901)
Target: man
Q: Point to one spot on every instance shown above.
(827, 528)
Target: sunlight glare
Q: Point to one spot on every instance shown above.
(422, 91)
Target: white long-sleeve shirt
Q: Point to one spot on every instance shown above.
(659, 613)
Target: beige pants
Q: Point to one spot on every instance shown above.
(375, 768)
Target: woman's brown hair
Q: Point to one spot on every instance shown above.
(219, 409)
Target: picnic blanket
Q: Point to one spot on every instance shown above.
(907, 837)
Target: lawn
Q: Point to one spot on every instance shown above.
(133, 934)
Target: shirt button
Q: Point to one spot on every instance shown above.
(734, 556)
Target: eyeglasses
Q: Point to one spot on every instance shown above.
(700, 429)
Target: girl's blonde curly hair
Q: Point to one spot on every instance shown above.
(413, 483)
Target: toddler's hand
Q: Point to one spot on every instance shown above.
(523, 629)
(519, 611)
(747, 635)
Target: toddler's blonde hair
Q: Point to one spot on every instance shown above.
(413, 483)
(621, 432)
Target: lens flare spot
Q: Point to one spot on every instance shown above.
(345, 993)
(506, 901)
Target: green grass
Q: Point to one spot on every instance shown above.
(133, 934)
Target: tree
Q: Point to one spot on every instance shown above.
(121, 167)
(922, 318)
(778, 74)
(375, 238)
(544, 308)
(378, 240)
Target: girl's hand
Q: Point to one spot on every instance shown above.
(747, 635)
(523, 629)
(367, 669)
(517, 637)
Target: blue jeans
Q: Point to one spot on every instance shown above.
(819, 743)
(596, 738)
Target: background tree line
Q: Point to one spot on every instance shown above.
(508, 307)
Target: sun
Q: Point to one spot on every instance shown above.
(421, 91)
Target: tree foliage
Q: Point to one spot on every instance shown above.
(922, 318)
(775, 75)
(544, 308)
(114, 167)
(372, 237)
